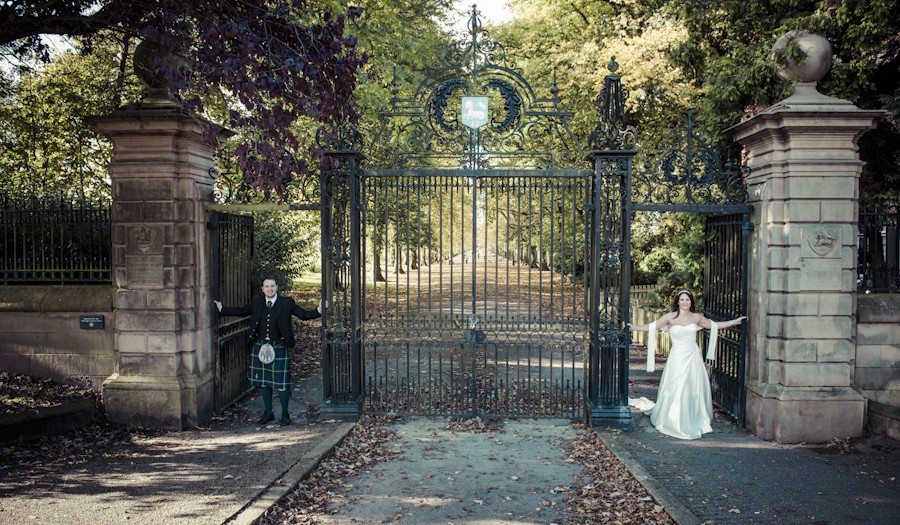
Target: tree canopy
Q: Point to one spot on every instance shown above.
(275, 63)
(726, 54)
(274, 72)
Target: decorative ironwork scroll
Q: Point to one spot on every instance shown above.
(687, 171)
(343, 137)
(233, 187)
(524, 130)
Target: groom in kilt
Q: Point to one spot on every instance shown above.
(271, 336)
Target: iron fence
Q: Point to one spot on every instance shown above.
(54, 240)
(878, 263)
(232, 246)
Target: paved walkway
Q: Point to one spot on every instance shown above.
(230, 472)
(730, 476)
(511, 475)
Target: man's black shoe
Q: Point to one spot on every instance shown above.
(285, 420)
(265, 419)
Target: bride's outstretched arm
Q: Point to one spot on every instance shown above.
(734, 322)
(705, 323)
(660, 323)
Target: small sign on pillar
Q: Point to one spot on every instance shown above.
(92, 322)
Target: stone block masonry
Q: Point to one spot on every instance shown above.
(164, 375)
(804, 186)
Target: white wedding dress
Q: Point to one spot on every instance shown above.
(683, 406)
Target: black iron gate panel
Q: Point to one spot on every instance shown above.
(474, 291)
(232, 256)
(725, 297)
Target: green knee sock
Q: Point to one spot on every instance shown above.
(284, 396)
(267, 399)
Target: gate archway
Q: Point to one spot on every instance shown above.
(687, 175)
(475, 255)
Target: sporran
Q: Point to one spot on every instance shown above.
(266, 354)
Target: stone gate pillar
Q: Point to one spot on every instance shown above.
(160, 171)
(804, 187)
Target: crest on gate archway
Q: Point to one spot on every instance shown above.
(475, 110)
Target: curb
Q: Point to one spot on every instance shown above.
(681, 514)
(47, 420)
(290, 479)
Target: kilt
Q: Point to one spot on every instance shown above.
(276, 374)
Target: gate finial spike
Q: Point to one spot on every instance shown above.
(613, 66)
(474, 22)
(611, 132)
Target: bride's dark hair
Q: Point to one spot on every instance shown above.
(677, 297)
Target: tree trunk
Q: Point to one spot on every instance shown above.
(398, 261)
(379, 276)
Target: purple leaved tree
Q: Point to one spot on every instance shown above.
(282, 66)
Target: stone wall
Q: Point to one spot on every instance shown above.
(877, 370)
(41, 333)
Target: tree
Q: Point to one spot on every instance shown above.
(578, 40)
(713, 56)
(46, 141)
(276, 64)
(727, 55)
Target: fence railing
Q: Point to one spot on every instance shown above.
(54, 240)
(644, 314)
(878, 263)
(60, 241)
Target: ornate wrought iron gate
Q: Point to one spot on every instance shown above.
(725, 297)
(458, 263)
(232, 248)
(477, 263)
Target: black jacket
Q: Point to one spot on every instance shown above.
(282, 310)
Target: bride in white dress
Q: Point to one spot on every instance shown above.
(683, 406)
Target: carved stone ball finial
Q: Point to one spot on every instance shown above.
(814, 47)
(145, 60)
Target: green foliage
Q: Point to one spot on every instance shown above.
(716, 57)
(727, 54)
(668, 251)
(46, 141)
(577, 40)
(285, 244)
